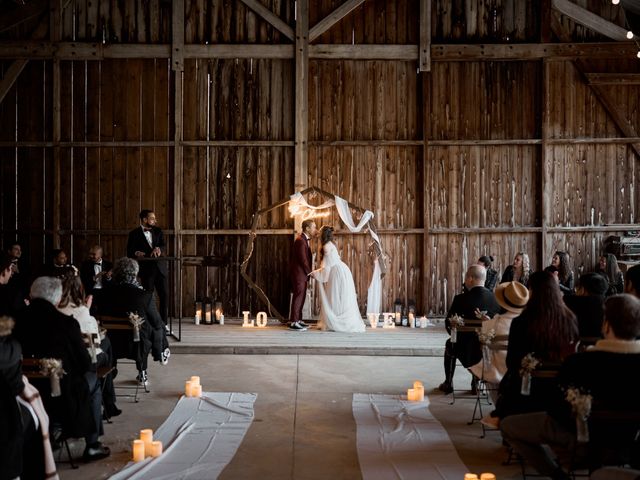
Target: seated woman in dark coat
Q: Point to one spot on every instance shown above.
(560, 260)
(519, 271)
(124, 295)
(547, 330)
(608, 268)
(492, 275)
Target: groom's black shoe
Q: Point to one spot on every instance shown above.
(303, 324)
(297, 326)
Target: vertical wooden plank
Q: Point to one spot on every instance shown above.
(425, 36)
(302, 98)
(55, 34)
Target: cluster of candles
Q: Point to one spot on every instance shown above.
(392, 320)
(192, 387)
(483, 476)
(145, 446)
(416, 394)
(208, 313)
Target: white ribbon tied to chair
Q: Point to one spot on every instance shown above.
(299, 204)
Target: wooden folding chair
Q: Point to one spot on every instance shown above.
(471, 325)
(31, 368)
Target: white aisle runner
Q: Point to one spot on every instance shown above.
(397, 439)
(200, 438)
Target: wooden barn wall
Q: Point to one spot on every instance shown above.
(413, 148)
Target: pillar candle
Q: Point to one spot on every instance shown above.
(221, 319)
(487, 476)
(411, 395)
(188, 386)
(412, 320)
(419, 393)
(146, 436)
(156, 448)
(417, 384)
(138, 450)
(196, 391)
(195, 380)
(398, 318)
(470, 476)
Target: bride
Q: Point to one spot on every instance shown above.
(339, 304)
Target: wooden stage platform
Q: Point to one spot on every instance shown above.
(232, 338)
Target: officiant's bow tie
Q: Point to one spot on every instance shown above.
(147, 229)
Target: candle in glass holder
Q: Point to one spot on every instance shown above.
(156, 448)
(207, 313)
(198, 317)
(146, 436)
(398, 318)
(196, 391)
(188, 388)
(138, 450)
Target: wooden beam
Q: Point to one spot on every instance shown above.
(177, 66)
(613, 78)
(10, 76)
(14, 71)
(55, 32)
(334, 17)
(177, 36)
(22, 13)
(590, 20)
(545, 21)
(425, 36)
(274, 20)
(545, 157)
(608, 103)
(440, 52)
(302, 96)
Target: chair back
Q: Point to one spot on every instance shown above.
(470, 325)
(110, 322)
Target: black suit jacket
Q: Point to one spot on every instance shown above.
(118, 300)
(138, 243)
(467, 347)
(44, 332)
(87, 274)
(589, 311)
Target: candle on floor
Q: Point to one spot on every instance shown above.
(487, 476)
(470, 476)
(146, 436)
(419, 393)
(412, 320)
(221, 319)
(373, 319)
(398, 318)
(138, 450)
(188, 388)
(196, 391)
(156, 448)
(195, 380)
(417, 384)
(198, 316)
(411, 395)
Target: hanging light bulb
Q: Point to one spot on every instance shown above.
(638, 55)
(630, 35)
(615, 2)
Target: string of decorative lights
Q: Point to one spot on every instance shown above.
(630, 34)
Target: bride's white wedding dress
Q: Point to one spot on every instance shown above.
(339, 303)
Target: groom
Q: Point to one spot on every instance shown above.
(300, 267)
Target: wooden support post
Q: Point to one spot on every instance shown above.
(55, 29)
(425, 36)
(177, 65)
(545, 157)
(302, 99)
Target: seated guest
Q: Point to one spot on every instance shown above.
(21, 439)
(560, 260)
(632, 282)
(492, 276)
(588, 303)
(95, 271)
(124, 295)
(602, 372)
(608, 267)
(57, 265)
(467, 348)
(10, 301)
(512, 298)
(519, 271)
(548, 330)
(554, 272)
(74, 303)
(46, 333)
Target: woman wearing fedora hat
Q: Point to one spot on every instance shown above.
(512, 298)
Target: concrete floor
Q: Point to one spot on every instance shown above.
(303, 426)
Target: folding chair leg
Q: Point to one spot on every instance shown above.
(65, 443)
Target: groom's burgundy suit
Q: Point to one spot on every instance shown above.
(300, 266)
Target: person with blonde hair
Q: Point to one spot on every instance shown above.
(519, 271)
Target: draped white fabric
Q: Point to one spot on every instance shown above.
(402, 440)
(200, 438)
(298, 203)
(339, 303)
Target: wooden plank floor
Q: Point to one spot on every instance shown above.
(232, 338)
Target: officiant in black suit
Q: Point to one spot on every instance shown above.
(147, 242)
